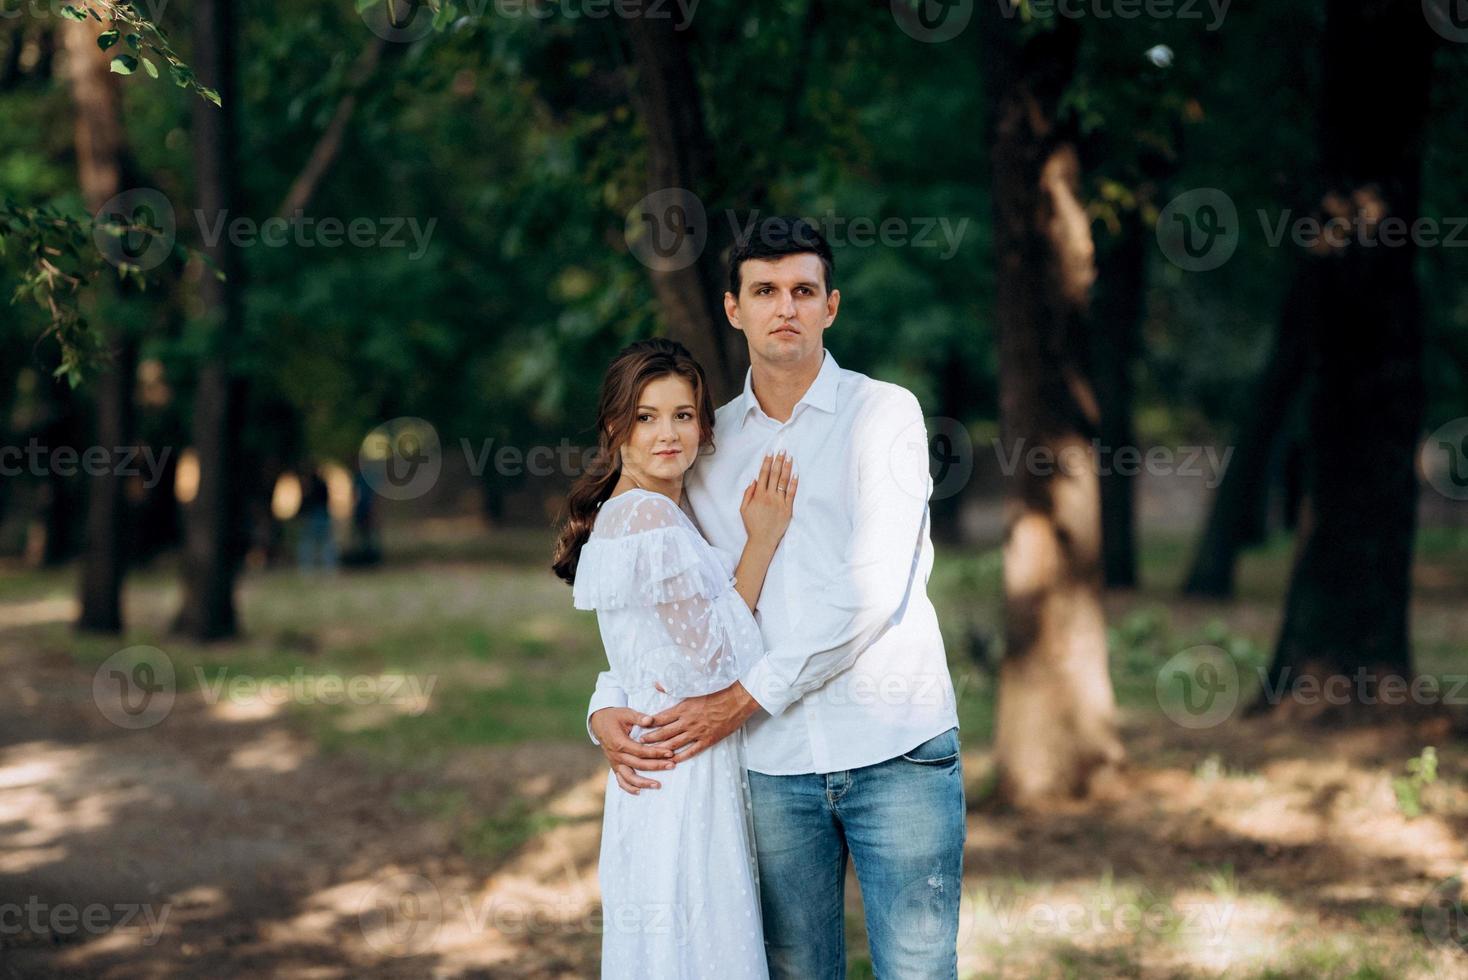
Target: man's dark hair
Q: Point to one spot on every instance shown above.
(770, 238)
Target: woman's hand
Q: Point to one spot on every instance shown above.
(769, 501)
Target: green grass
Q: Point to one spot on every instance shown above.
(513, 663)
(430, 619)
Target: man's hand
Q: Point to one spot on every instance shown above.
(695, 724)
(612, 728)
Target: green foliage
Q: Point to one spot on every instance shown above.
(53, 254)
(140, 33)
(521, 137)
(1249, 655)
(1421, 773)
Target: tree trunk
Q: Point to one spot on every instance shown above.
(55, 538)
(1237, 516)
(101, 154)
(946, 512)
(1055, 731)
(106, 558)
(680, 156)
(156, 525)
(212, 540)
(1117, 317)
(1346, 613)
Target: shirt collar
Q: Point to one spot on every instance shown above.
(821, 394)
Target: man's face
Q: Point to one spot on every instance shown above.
(783, 307)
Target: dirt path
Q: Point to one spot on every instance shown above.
(221, 843)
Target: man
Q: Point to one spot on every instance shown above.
(850, 717)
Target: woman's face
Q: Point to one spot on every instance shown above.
(664, 437)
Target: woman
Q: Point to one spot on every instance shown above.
(680, 893)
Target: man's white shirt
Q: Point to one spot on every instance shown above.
(854, 671)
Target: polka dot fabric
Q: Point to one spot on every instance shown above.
(680, 889)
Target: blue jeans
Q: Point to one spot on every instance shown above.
(902, 822)
(316, 545)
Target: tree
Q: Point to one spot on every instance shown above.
(681, 155)
(211, 545)
(1237, 515)
(1347, 607)
(1116, 319)
(103, 166)
(1055, 730)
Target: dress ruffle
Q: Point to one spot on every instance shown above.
(665, 564)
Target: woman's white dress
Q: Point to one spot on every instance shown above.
(680, 888)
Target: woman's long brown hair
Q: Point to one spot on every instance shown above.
(621, 389)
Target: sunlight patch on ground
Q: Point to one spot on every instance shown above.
(38, 611)
(1351, 808)
(396, 915)
(47, 793)
(244, 709)
(275, 751)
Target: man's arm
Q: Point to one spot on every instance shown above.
(871, 587)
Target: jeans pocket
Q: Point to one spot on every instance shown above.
(936, 751)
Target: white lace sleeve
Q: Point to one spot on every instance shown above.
(649, 560)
